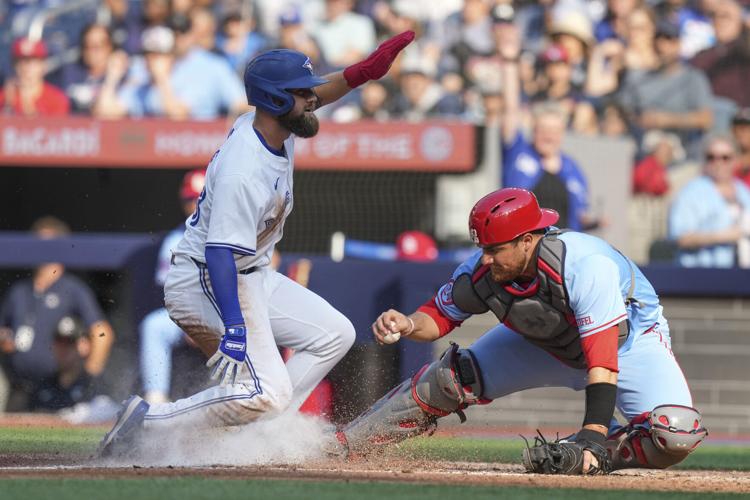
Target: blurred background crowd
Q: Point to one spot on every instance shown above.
(669, 77)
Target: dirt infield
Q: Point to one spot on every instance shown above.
(454, 473)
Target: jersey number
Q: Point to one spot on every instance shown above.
(197, 214)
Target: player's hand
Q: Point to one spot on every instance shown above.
(377, 64)
(388, 324)
(7, 341)
(589, 461)
(229, 358)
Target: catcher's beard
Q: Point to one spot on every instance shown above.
(303, 125)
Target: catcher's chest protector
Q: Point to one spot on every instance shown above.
(541, 313)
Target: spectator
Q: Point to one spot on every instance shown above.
(204, 28)
(707, 215)
(29, 318)
(83, 80)
(538, 165)
(155, 13)
(696, 32)
(558, 87)
(123, 23)
(572, 30)
(344, 37)
(28, 94)
(650, 174)
(615, 22)
(370, 105)
(184, 82)
(675, 97)
(420, 96)
(465, 34)
(159, 335)
(612, 120)
(71, 384)
(727, 64)
(640, 48)
(238, 41)
(741, 133)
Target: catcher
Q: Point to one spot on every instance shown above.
(573, 312)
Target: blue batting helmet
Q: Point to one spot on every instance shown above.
(269, 75)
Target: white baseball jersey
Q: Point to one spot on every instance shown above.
(247, 198)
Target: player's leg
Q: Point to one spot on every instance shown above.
(499, 363)
(263, 386)
(663, 427)
(159, 335)
(319, 334)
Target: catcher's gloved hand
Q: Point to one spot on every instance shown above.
(566, 457)
(230, 356)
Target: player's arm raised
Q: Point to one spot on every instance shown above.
(373, 67)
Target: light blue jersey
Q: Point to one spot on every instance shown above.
(597, 279)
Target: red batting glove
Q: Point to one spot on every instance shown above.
(376, 65)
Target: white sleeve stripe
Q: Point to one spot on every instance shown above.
(604, 326)
(234, 248)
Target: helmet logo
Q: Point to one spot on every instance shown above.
(308, 65)
(474, 236)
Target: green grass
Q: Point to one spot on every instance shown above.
(707, 456)
(212, 489)
(70, 441)
(83, 441)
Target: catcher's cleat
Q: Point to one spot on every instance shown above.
(129, 420)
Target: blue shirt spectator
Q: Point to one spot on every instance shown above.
(566, 191)
(201, 80)
(706, 218)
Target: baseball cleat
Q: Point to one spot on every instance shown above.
(129, 420)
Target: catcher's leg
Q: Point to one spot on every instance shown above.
(657, 439)
(445, 386)
(664, 427)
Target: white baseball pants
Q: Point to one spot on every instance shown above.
(277, 312)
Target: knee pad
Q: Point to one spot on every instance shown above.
(658, 439)
(450, 384)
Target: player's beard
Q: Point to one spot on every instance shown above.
(303, 125)
(508, 272)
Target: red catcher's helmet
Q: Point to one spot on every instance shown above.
(506, 214)
(192, 184)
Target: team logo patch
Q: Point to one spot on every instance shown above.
(446, 293)
(269, 222)
(308, 65)
(474, 236)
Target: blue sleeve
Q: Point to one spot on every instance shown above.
(595, 295)
(223, 273)
(444, 296)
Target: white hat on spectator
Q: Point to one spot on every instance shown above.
(574, 23)
(157, 39)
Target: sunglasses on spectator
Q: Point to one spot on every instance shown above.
(719, 157)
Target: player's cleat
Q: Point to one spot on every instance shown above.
(129, 420)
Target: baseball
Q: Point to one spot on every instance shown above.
(392, 336)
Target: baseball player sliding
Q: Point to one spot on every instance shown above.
(220, 288)
(574, 312)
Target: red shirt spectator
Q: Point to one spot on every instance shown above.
(28, 94)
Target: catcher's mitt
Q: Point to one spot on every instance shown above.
(564, 456)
